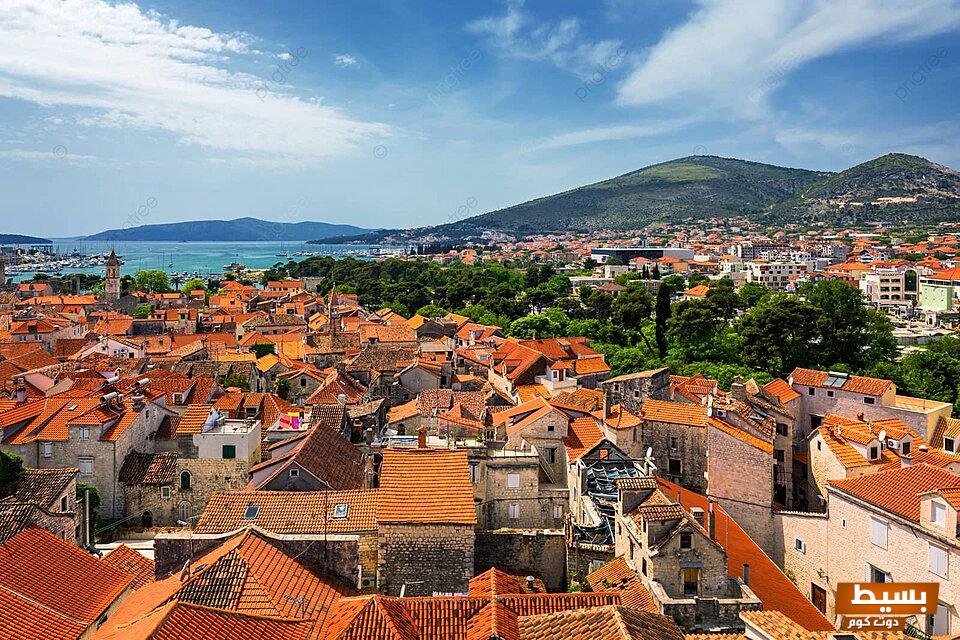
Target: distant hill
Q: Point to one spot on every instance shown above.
(13, 238)
(889, 188)
(238, 230)
(892, 187)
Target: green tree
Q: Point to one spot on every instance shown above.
(780, 334)
(283, 388)
(142, 311)
(850, 332)
(632, 306)
(752, 293)
(663, 310)
(695, 331)
(263, 348)
(193, 284)
(11, 467)
(533, 326)
(432, 311)
(152, 281)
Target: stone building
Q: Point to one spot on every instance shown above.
(632, 389)
(111, 287)
(426, 522)
(167, 489)
(44, 498)
(898, 525)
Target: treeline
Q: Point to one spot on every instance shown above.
(752, 331)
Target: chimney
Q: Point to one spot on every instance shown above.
(422, 437)
(368, 435)
(713, 523)
(860, 416)
(606, 406)
(369, 473)
(138, 401)
(341, 398)
(738, 389)
(21, 391)
(530, 583)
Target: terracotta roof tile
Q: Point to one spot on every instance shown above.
(129, 561)
(674, 412)
(898, 490)
(425, 486)
(289, 512)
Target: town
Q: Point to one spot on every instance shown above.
(691, 431)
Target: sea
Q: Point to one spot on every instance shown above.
(204, 258)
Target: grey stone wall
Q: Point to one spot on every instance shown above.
(530, 552)
(428, 558)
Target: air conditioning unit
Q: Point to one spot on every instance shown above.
(891, 443)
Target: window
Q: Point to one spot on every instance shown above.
(799, 545)
(551, 454)
(340, 511)
(874, 452)
(514, 511)
(303, 382)
(877, 575)
(47, 449)
(84, 433)
(86, 466)
(643, 566)
(183, 512)
(869, 400)
(513, 481)
(294, 473)
(165, 493)
(699, 516)
(811, 391)
(229, 452)
(830, 393)
(938, 560)
(905, 447)
(949, 445)
(779, 455)
(674, 444)
(474, 472)
(686, 540)
(557, 511)
(550, 428)
(938, 513)
(674, 467)
(819, 445)
(746, 574)
(251, 512)
(939, 625)
(878, 532)
(782, 429)
(185, 481)
(63, 503)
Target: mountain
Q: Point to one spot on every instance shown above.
(687, 188)
(14, 238)
(239, 230)
(893, 187)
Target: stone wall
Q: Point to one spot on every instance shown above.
(690, 449)
(206, 477)
(540, 553)
(428, 558)
(586, 558)
(338, 555)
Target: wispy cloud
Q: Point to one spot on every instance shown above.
(517, 35)
(732, 55)
(344, 60)
(606, 134)
(57, 155)
(116, 65)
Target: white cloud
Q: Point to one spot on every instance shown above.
(732, 54)
(59, 154)
(121, 66)
(516, 35)
(605, 134)
(344, 60)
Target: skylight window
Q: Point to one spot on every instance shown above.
(340, 511)
(252, 511)
(836, 379)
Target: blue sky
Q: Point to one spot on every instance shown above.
(399, 114)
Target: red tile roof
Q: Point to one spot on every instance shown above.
(133, 563)
(36, 568)
(425, 486)
(898, 490)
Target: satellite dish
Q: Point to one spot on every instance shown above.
(649, 452)
(882, 436)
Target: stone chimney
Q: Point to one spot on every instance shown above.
(422, 438)
(369, 473)
(738, 389)
(21, 391)
(606, 406)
